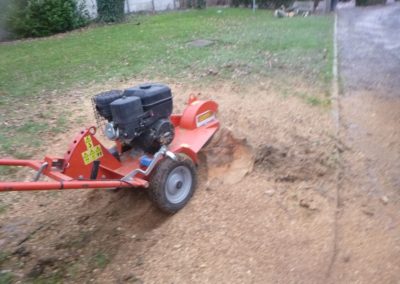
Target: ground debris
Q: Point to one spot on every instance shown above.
(200, 43)
(287, 178)
(39, 268)
(27, 237)
(385, 199)
(368, 212)
(308, 203)
(269, 192)
(21, 251)
(131, 278)
(213, 184)
(289, 164)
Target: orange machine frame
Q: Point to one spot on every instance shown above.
(193, 129)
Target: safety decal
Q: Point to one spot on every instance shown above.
(204, 118)
(92, 153)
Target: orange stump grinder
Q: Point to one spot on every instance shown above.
(154, 148)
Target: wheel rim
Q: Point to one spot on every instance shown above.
(178, 185)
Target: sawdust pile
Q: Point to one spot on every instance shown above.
(229, 158)
(289, 164)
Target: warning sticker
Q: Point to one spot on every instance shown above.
(92, 153)
(88, 142)
(204, 118)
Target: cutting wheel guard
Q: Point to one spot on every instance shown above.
(88, 164)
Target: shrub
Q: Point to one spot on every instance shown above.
(369, 2)
(35, 18)
(110, 11)
(274, 3)
(200, 4)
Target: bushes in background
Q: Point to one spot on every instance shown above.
(200, 4)
(36, 18)
(110, 11)
(273, 4)
(369, 2)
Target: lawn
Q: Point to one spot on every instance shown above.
(157, 46)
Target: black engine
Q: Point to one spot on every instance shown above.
(137, 116)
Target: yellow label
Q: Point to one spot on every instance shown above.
(92, 153)
(99, 153)
(86, 158)
(88, 142)
(204, 116)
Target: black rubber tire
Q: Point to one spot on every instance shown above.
(158, 179)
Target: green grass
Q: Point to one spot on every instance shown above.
(17, 141)
(6, 278)
(100, 260)
(3, 209)
(3, 255)
(52, 278)
(246, 46)
(158, 47)
(76, 242)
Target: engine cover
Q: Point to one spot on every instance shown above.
(156, 98)
(127, 113)
(137, 117)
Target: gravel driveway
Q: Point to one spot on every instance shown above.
(369, 48)
(368, 226)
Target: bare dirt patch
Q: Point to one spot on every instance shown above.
(200, 43)
(261, 213)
